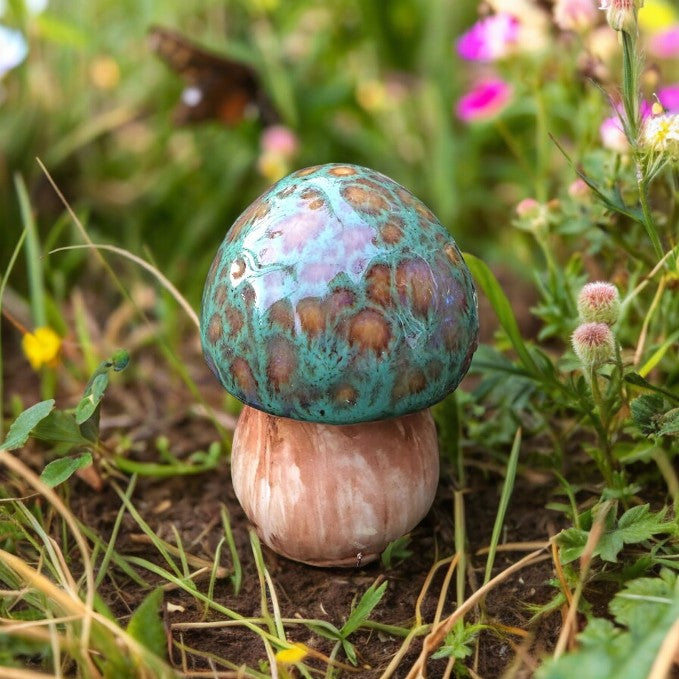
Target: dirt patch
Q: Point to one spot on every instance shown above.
(142, 408)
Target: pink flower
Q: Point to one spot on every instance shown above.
(593, 343)
(599, 302)
(669, 98)
(578, 189)
(528, 207)
(279, 139)
(612, 135)
(665, 44)
(489, 39)
(484, 100)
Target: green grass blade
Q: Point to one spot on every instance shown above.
(33, 257)
(507, 489)
(491, 288)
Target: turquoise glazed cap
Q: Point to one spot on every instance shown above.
(338, 297)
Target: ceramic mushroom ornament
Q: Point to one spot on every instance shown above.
(338, 309)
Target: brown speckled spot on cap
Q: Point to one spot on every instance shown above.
(306, 171)
(337, 301)
(342, 171)
(392, 231)
(363, 199)
(311, 315)
(242, 374)
(370, 331)
(214, 328)
(248, 294)
(281, 314)
(281, 361)
(221, 293)
(345, 395)
(414, 282)
(425, 212)
(412, 381)
(406, 196)
(452, 253)
(234, 319)
(314, 198)
(378, 284)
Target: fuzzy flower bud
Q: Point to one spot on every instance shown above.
(622, 14)
(599, 303)
(593, 343)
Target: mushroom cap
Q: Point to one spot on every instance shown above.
(338, 297)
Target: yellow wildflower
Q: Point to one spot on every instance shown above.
(295, 654)
(657, 15)
(41, 347)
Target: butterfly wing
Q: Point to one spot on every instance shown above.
(217, 88)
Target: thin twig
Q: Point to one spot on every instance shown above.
(439, 632)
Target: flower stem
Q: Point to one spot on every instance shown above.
(605, 459)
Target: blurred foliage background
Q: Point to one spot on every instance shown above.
(361, 81)
(366, 82)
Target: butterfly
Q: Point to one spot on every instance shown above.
(217, 88)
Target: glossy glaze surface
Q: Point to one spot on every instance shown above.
(338, 297)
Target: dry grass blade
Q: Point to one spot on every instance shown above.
(22, 470)
(163, 280)
(433, 640)
(568, 628)
(17, 673)
(668, 654)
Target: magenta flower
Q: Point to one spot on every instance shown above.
(665, 44)
(484, 100)
(669, 98)
(489, 39)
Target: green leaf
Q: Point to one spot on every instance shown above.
(60, 470)
(670, 423)
(644, 600)
(503, 310)
(645, 409)
(396, 550)
(634, 526)
(648, 607)
(639, 381)
(350, 651)
(459, 642)
(23, 425)
(360, 614)
(60, 427)
(146, 624)
(85, 409)
(571, 543)
(119, 360)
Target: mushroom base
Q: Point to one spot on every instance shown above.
(334, 495)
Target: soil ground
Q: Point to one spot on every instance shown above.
(149, 403)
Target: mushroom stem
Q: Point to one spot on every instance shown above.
(334, 495)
